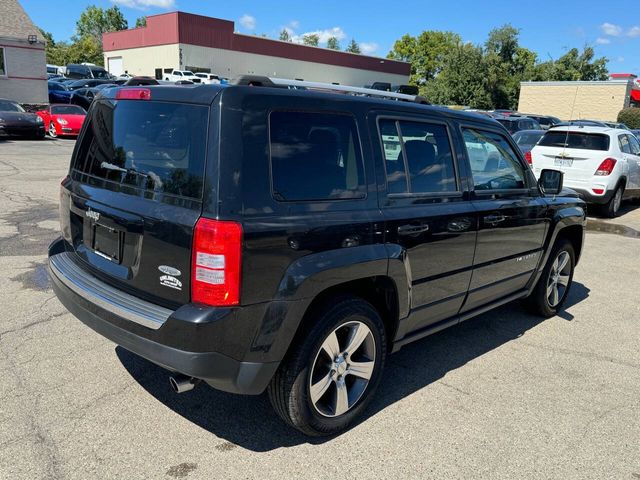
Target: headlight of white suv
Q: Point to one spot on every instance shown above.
(39, 119)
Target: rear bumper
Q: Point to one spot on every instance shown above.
(71, 132)
(590, 197)
(189, 326)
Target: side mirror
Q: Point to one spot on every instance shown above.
(550, 181)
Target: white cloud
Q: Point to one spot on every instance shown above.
(324, 35)
(248, 22)
(294, 25)
(145, 4)
(602, 41)
(620, 59)
(634, 32)
(368, 48)
(611, 29)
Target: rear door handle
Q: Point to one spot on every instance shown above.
(494, 219)
(413, 229)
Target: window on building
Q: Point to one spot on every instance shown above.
(3, 68)
(315, 156)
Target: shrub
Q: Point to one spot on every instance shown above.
(630, 117)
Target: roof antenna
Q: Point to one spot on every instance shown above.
(573, 106)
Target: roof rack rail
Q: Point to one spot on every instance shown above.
(263, 81)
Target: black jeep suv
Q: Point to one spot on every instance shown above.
(287, 240)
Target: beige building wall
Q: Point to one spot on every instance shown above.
(144, 61)
(227, 63)
(575, 100)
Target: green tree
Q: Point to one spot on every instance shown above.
(353, 47)
(311, 39)
(85, 49)
(141, 22)
(284, 35)
(94, 21)
(503, 42)
(426, 53)
(574, 65)
(333, 43)
(462, 79)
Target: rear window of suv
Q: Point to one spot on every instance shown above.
(315, 156)
(153, 146)
(577, 140)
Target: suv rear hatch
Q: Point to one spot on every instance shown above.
(576, 153)
(134, 194)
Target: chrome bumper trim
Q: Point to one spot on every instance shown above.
(105, 296)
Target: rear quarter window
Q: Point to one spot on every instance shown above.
(152, 146)
(577, 140)
(315, 156)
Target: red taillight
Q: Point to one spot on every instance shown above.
(527, 157)
(598, 191)
(606, 167)
(133, 94)
(216, 262)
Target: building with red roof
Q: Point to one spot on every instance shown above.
(185, 41)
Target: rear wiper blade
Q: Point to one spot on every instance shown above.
(111, 166)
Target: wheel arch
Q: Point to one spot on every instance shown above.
(380, 291)
(575, 235)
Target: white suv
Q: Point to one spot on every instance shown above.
(601, 164)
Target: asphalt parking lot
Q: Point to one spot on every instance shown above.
(506, 395)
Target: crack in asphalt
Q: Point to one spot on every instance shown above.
(589, 355)
(48, 449)
(33, 324)
(30, 239)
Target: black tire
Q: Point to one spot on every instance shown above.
(612, 207)
(538, 302)
(290, 388)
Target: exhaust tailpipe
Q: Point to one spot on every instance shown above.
(181, 383)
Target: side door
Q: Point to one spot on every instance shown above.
(512, 216)
(633, 159)
(429, 220)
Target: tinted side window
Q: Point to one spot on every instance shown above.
(623, 141)
(429, 157)
(315, 156)
(494, 164)
(393, 157)
(635, 145)
(421, 149)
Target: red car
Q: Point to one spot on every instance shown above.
(62, 119)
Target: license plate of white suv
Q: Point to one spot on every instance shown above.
(563, 162)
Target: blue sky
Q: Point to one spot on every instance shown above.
(548, 27)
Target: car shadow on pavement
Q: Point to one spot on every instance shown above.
(250, 422)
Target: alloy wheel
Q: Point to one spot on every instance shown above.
(559, 277)
(52, 130)
(342, 369)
